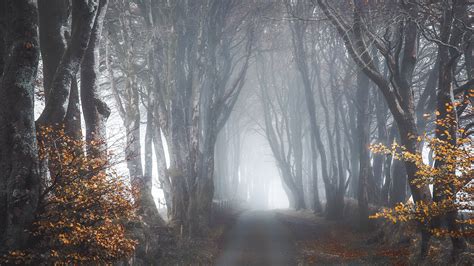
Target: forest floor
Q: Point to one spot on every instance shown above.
(285, 237)
(323, 242)
(202, 250)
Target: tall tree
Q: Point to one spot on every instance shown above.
(397, 90)
(55, 32)
(83, 13)
(451, 32)
(94, 109)
(363, 128)
(19, 172)
(124, 42)
(54, 29)
(284, 126)
(207, 55)
(298, 29)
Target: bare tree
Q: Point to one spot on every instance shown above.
(284, 127)
(397, 37)
(401, 61)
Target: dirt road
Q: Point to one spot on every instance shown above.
(258, 238)
(285, 237)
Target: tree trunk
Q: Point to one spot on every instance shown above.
(385, 193)
(363, 129)
(296, 141)
(407, 127)
(382, 137)
(72, 120)
(294, 195)
(148, 207)
(96, 111)
(205, 187)
(315, 130)
(132, 132)
(340, 174)
(314, 171)
(399, 183)
(204, 167)
(19, 171)
(179, 164)
(54, 29)
(334, 204)
(163, 174)
(388, 183)
(354, 158)
(83, 17)
(446, 130)
(3, 50)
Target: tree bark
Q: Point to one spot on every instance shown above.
(19, 171)
(3, 50)
(95, 111)
(163, 174)
(363, 129)
(72, 120)
(83, 17)
(54, 29)
(382, 137)
(398, 189)
(148, 207)
(446, 130)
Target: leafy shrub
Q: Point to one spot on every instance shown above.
(452, 177)
(84, 208)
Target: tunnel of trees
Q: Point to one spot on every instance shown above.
(125, 120)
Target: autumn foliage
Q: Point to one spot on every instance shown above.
(451, 176)
(84, 209)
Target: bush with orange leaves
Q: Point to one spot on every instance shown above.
(452, 177)
(84, 208)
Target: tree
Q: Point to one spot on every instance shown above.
(452, 177)
(206, 55)
(298, 30)
(62, 101)
(401, 62)
(452, 21)
(284, 127)
(54, 29)
(363, 128)
(20, 179)
(123, 37)
(94, 109)
(326, 76)
(84, 13)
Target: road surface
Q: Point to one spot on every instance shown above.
(258, 238)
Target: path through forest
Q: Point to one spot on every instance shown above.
(285, 237)
(258, 238)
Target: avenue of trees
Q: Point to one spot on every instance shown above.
(362, 99)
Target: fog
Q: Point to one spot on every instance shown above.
(251, 127)
(259, 179)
